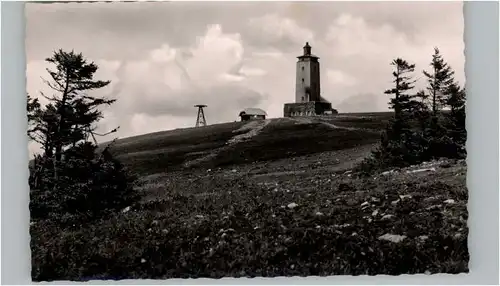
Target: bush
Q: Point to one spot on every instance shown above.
(432, 139)
(398, 151)
(89, 185)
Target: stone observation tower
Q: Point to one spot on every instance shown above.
(308, 100)
(307, 87)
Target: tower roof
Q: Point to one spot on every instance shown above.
(307, 52)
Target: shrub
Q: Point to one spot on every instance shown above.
(89, 185)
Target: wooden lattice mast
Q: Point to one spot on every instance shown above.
(200, 119)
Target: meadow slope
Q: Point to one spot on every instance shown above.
(215, 145)
(269, 198)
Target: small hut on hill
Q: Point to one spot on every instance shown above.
(252, 114)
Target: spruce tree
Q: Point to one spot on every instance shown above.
(419, 131)
(402, 101)
(456, 101)
(76, 111)
(70, 176)
(33, 108)
(400, 144)
(439, 78)
(422, 114)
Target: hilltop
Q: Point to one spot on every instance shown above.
(267, 198)
(247, 142)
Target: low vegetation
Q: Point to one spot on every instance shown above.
(348, 194)
(245, 221)
(420, 130)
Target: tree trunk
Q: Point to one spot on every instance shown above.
(61, 120)
(434, 91)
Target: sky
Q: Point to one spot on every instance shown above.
(162, 58)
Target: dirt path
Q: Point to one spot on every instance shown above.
(206, 158)
(341, 127)
(253, 128)
(304, 120)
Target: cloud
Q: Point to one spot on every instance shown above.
(35, 74)
(215, 54)
(272, 30)
(337, 77)
(364, 52)
(163, 54)
(168, 84)
(363, 102)
(149, 124)
(162, 58)
(249, 71)
(352, 36)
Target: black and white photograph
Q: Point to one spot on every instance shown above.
(182, 139)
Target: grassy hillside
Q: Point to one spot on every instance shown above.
(280, 138)
(266, 198)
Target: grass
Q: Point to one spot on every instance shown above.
(283, 203)
(301, 139)
(376, 121)
(162, 151)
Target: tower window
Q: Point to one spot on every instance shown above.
(302, 68)
(302, 80)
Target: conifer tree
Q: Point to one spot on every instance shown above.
(455, 100)
(402, 101)
(400, 144)
(423, 109)
(439, 78)
(33, 108)
(416, 132)
(70, 176)
(76, 111)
